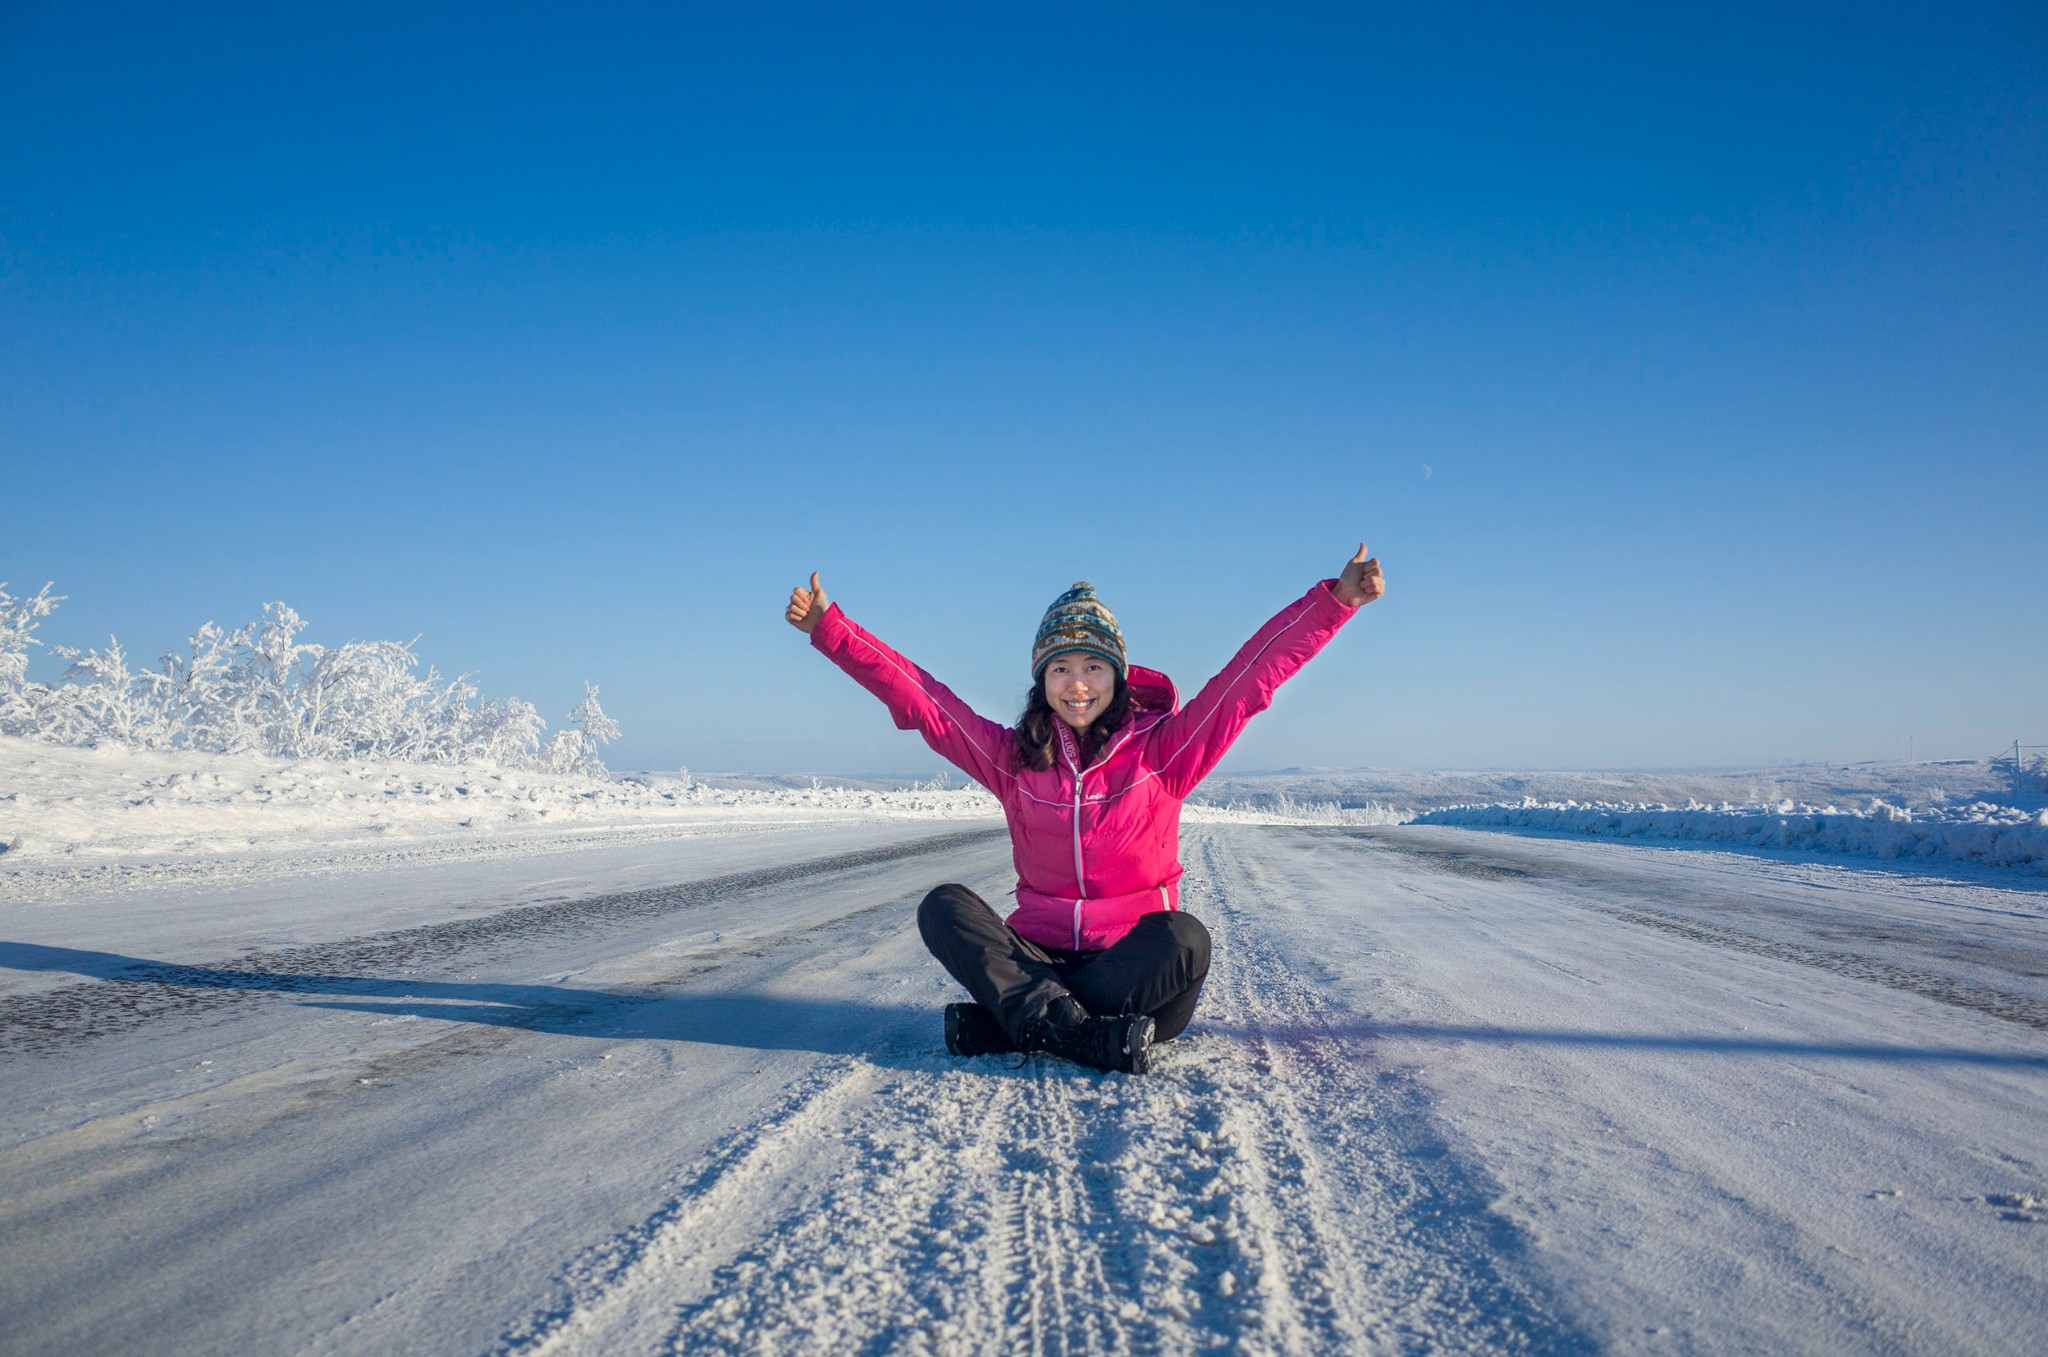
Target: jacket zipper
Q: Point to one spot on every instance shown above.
(1080, 883)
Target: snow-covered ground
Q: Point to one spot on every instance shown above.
(1982, 834)
(111, 804)
(661, 1076)
(1928, 784)
(108, 809)
(1962, 811)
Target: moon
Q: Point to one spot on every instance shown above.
(1425, 471)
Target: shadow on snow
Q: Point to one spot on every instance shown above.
(750, 1020)
(1675, 1043)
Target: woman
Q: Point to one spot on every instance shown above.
(1098, 961)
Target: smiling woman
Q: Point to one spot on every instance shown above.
(1098, 961)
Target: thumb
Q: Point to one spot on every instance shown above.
(1362, 554)
(817, 589)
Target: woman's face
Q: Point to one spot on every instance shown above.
(1079, 686)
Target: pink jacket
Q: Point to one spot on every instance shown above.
(1098, 847)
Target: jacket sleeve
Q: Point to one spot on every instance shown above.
(1194, 739)
(973, 744)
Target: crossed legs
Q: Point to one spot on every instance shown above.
(1157, 968)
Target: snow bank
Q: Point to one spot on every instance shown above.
(73, 804)
(1288, 810)
(96, 804)
(1982, 833)
(1943, 783)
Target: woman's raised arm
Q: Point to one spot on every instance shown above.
(1188, 744)
(969, 741)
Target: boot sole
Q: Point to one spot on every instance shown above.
(1138, 1046)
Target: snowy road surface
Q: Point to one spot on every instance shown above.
(1449, 1091)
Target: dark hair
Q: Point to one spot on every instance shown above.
(1036, 728)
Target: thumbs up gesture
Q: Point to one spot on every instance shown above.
(1360, 583)
(807, 606)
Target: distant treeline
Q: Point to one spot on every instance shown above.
(258, 689)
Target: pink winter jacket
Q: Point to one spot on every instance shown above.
(1098, 847)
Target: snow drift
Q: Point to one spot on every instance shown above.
(109, 801)
(113, 802)
(1982, 833)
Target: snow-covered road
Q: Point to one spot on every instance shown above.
(1449, 1091)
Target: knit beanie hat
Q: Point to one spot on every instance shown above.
(1077, 621)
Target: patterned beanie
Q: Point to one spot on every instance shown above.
(1077, 621)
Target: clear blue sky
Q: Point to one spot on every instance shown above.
(1689, 371)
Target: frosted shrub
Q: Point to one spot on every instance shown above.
(575, 750)
(20, 700)
(100, 697)
(262, 690)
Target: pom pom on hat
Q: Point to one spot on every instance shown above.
(1078, 621)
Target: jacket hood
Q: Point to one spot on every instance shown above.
(1152, 690)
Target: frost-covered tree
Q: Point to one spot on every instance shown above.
(100, 698)
(20, 699)
(575, 750)
(261, 689)
(195, 690)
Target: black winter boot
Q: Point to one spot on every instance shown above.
(973, 1030)
(1122, 1043)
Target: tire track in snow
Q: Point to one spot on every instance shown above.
(1268, 1189)
(603, 1297)
(1942, 989)
(141, 993)
(1620, 896)
(1367, 1234)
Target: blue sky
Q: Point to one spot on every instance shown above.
(1685, 369)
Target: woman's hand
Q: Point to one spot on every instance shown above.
(807, 606)
(1359, 584)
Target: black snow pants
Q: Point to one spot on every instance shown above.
(1156, 968)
